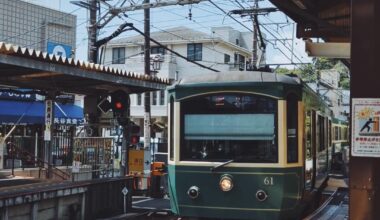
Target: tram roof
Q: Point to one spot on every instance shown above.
(239, 77)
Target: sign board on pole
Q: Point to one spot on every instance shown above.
(124, 191)
(365, 127)
(48, 119)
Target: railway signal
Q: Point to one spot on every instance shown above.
(119, 103)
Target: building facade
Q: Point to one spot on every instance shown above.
(329, 89)
(37, 27)
(22, 116)
(225, 49)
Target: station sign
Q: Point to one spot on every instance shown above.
(6, 95)
(59, 49)
(48, 119)
(365, 127)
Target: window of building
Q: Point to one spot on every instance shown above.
(194, 52)
(154, 98)
(118, 55)
(162, 97)
(139, 99)
(237, 41)
(239, 61)
(227, 58)
(157, 50)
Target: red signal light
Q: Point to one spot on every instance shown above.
(118, 105)
(135, 139)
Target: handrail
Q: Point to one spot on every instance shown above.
(62, 174)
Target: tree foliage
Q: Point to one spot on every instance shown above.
(309, 72)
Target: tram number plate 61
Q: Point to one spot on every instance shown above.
(268, 181)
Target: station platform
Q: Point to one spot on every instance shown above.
(336, 205)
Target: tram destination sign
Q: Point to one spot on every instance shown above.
(365, 127)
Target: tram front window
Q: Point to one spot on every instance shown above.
(222, 127)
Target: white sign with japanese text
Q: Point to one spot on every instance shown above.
(365, 127)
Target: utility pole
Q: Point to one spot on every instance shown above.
(147, 72)
(92, 32)
(253, 13)
(254, 42)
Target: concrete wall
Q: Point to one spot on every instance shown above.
(81, 200)
(63, 207)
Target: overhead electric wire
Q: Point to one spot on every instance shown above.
(176, 53)
(221, 9)
(179, 36)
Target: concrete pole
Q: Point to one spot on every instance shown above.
(49, 135)
(92, 33)
(147, 72)
(254, 42)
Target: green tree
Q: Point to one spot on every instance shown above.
(282, 70)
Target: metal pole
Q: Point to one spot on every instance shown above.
(13, 159)
(147, 72)
(364, 171)
(125, 203)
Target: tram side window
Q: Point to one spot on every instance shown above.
(292, 128)
(345, 133)
(309, 149)
(322, 143)
(336, 133)
(308, 136)
(329, 133)
(171, 128)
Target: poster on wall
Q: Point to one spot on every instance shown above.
(365, 127)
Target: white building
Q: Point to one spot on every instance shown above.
(225, 49)
(329, 88)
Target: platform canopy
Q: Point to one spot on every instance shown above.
(28, 68)
(325, 19)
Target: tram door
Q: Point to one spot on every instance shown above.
(310, 149)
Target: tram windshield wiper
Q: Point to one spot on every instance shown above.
(221, 165)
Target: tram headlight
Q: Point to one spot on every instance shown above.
(226, 184)
(261, 195)
(193, 192)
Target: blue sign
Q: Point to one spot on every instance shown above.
(59, 49)
(8, 95)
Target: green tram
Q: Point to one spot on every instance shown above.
(246, 145)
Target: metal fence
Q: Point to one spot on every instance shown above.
(93, 155)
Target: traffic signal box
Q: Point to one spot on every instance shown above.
(119, 103)
(135, 134)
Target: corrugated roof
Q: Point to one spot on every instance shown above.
(14, 50)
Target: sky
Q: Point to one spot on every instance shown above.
(283, 47)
